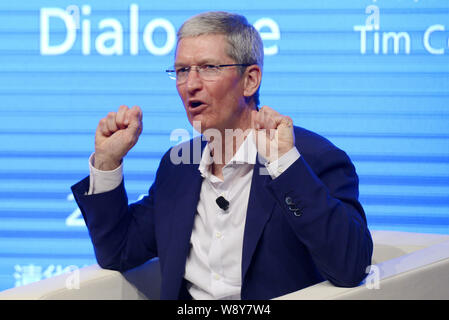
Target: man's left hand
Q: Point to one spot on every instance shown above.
(273, 133)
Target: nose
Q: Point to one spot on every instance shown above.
(193, 81)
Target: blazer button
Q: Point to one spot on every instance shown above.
(296, 211)
(288, 201)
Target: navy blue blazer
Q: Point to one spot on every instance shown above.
(301, 228)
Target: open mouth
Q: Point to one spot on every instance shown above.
(195, 103)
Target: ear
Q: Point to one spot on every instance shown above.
(252, 80)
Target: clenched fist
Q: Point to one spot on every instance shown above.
(273, 133)
(116, 134)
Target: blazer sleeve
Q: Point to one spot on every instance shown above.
(320, 202)
(123, 235)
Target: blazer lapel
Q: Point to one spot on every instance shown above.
(260, 207)
(184, 210)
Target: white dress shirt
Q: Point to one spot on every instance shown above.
(213, 267)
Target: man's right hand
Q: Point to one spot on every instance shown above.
(116, 134)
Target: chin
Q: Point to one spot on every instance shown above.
(200, 124)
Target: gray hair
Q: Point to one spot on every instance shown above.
(244, 42)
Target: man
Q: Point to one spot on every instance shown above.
(268, 209)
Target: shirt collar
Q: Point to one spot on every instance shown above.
(246, 154)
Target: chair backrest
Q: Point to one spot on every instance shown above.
(392, 244)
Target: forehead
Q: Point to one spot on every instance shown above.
(204, 48)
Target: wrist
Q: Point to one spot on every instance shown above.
(279, 153)
(105, 163)
(103, 181)
(277, 167)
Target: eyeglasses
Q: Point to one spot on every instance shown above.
(206, 72)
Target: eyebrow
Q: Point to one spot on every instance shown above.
(202, 62)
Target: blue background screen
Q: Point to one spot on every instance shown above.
(371, 76)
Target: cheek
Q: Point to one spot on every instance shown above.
(181, 93)
(225, 93)
(230, 102)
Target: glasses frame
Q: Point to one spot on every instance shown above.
(172, 72)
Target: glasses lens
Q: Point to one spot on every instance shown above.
(181, 74)
(205, 72)
(209, 72)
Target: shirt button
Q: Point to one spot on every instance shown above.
(218, 235)
(216, 276)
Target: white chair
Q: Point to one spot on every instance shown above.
(405, 266)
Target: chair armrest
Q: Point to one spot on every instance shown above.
(423, 274)
(93, 282)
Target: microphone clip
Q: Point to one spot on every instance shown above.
(222, 203)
